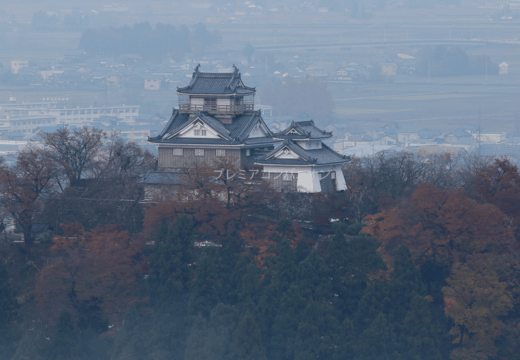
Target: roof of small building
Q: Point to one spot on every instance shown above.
(216, 83)
(322, 156)
(436, 150)
(303, 130)
(460, 133)
(161, 178)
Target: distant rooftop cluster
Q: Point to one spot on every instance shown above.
(370, 140)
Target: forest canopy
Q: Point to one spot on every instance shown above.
(417, 259)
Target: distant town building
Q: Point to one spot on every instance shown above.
(16, 65)
(491, 137)
(389, 69)
(503, 68)
(27, 117)
(152, 82)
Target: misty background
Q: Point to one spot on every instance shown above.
(431, 64)
(268, 276)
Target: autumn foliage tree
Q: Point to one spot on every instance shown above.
(218, 201)
(93, 275)
(441, 225)
(477, 301)
(499, 185)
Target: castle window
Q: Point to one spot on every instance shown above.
(199, 152)
(199, 132)
(248, 152)
(286, 177)
(178, 152)
(221, 152)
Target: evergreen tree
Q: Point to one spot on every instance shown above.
(405, 284)
(314, 279)
(345, 341)
(374, 301)
(216, 338)
(128, 344)
(171, 259)
(303, 249)
(378, 342)
(8, 304)
(317, 332)
(285, 325)
(65, 344)
(232, 267)
(283, 266)
(168, 332)
(279, 277)
(8, 307)
(26, 350)
(249, 339)
(195, 344)
(204, 291)
(250, 287)
(420, 340)
(350, 262)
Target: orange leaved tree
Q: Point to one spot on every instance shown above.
(477, 301)
(440, 225)
(499, 185)
(93, 274)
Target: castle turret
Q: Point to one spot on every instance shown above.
(221, 95)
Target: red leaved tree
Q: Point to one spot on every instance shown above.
(97, 267)
(499, 185)
(441, 224)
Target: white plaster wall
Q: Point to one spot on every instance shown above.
(340, 179)
(308, 182)
(309, 178)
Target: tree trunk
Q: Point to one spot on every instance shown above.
(28, 236)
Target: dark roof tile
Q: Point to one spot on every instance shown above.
(216, 83)
(304, 130)
(322, 156)
(161, 177)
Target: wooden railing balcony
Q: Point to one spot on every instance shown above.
(216, 109)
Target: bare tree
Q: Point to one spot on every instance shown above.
(75, 152)
(384, 180)
(122, 161)
(23, 187)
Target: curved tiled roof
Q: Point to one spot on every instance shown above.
(303, 130)
(323, 156)
(216, 83)
(233, 134)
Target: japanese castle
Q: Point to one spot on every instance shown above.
(216, 120)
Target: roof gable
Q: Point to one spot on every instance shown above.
(289, 150)
(259, 130)
(304, 130)
(214, 129)
(199, 129)
(286, 153)
(241, 129)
